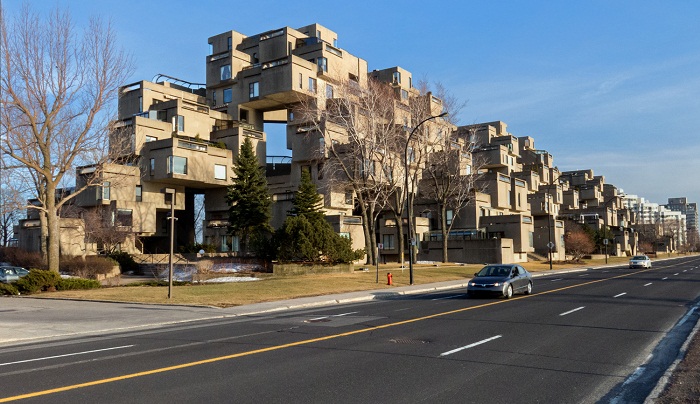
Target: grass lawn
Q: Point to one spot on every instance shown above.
(271, 288)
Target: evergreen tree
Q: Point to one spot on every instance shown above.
(307, 236)
(307, 201)
(248, 198)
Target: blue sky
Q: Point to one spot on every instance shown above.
(609, 85)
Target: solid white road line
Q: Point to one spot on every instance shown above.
(648, 284)
(470, 345)
(675, 274)
(572, 311)
(663, 279)
(621, 294)
(66, 355)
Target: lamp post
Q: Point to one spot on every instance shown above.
(549, 231)
(171, 192)
(411, 239)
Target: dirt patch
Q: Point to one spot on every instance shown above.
(684, 385)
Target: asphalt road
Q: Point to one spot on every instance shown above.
(591, 336)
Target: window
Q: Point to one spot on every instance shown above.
(335, 42)
(213, 98)
(348, 198)
(322, 64)
(139, 193)
(211, 48)
(532, 238)
(152, 166)
(312, 84)
(228, 95)
(244, 115)
(329, 91)
(388, 241)
(404, 94)
(225, 72)
(320, 171)
(411, 155)
(301, 81)
(396, 77)
(124, 217)
(318, 34)
(254, 89)
(229, 243)
(151, 138)
(229, 43)
(178, 123)
(177, 165)
(140, 104)
(449, 215)
(410, 82)
(219, 172)
(105, 190)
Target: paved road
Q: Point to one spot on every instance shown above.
(578, 339)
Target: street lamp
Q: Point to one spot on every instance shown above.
(411, 239)
(171, 192)
(549, 231)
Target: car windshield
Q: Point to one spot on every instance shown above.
(639, 257)
(493, 270)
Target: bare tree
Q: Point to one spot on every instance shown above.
(360, 131)
(578, 243)
(449, 178)
(56, 86)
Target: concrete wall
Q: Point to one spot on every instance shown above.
(470, 251)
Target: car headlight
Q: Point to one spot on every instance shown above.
(497, 284)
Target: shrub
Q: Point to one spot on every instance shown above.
(77, 283)
(126, 262)
(8, 289)
(89, 267)
(37, 281)
(22, 258)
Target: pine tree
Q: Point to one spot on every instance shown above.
(248, 198)
(307, 201)
(307, 236)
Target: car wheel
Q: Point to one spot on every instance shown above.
(508, 292)
(529, 288)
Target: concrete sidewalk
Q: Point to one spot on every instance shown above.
(26, 319)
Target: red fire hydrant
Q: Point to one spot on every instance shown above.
(389, 279)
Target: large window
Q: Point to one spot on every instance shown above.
(388, 241)
(139, 193)
(322, 64)
(179, 123)
(177, 165)
(449, 215)
(329, 91)
(152, 166)
(229, 45)
(225, 72)
(229, 243)
(219, 172)
(228, 95)
(105, 191)
(396, 77)
(254, 89)
(124, 217)
(312, 84)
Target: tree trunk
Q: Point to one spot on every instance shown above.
(54, 232)
(443, 229)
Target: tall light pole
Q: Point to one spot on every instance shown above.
(171, 192)
(549, 232)
(411, 238)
